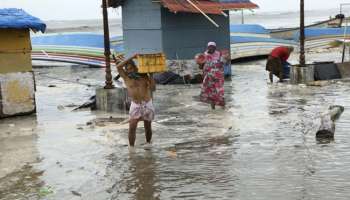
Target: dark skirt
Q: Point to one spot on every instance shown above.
(274, 65)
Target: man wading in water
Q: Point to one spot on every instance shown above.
(140, 88)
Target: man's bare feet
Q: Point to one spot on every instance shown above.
(147, 146)
(132, 149)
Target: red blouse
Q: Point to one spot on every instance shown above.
(280, 52)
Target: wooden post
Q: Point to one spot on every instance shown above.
(203, 13)
(109, 82)
(242, 16)
(327, 127)
(302, 35)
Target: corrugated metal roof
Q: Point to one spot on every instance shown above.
(19, 19)
(207, 6)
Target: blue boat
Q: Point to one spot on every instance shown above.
(79, 48)
(322, 37)
(252, 40)
(88, 48)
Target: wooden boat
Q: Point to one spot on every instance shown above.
(316, 38)
(288, 33)
(78, 48)
(253, 41)
(88, 48)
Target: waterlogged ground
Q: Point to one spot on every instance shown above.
(262, 146)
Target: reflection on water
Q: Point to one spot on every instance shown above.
(18, 153)
(143, 183)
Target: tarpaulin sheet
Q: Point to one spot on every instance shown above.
(248, 28)
(207, 6)
(19, 19)
(82, 40)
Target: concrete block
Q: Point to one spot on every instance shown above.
(344, 69)
(17, 94)
(326, 71)
(112, 100)
(301, 75)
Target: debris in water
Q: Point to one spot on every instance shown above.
(76, 193)
(45, 191)
(172, 154)
(89, 104)
(72, 105)
(102, 122)
(327, 127)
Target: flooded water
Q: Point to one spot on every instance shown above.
(262, 146)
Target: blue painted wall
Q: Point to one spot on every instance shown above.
(142, 26)
(185, 34)
(149, 28)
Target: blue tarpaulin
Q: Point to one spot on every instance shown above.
(18, 19)
(90, 40)
(248, 28)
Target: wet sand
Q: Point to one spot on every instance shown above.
(262, 146)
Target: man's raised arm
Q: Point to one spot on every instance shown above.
(121, 65)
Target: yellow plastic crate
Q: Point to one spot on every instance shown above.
(151, 63)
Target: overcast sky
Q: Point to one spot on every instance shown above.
(90, 9)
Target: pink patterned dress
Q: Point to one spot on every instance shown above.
(213, 80)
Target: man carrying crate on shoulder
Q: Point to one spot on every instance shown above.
(140, 88)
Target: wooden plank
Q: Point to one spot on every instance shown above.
(14, 40)
(327, 127)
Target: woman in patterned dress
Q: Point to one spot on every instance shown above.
(212, 91)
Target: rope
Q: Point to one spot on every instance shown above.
(67, 81)
(184, 86)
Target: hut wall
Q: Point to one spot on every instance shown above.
(150, 28)
(17, 87)
(186, 34)
(15, 51)
(142, 26)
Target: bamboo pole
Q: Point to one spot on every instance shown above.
(109, 82)
(203, 13)
(302, 35)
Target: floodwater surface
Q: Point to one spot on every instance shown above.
(262, 146)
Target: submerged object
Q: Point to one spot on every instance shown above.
(327, 127)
